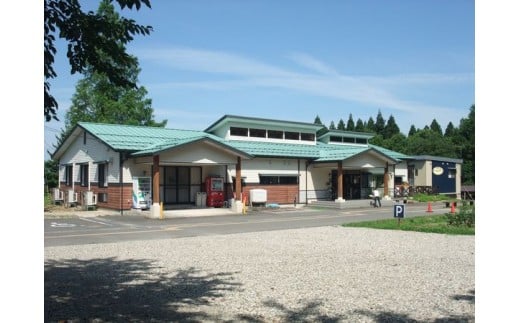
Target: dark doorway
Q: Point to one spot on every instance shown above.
(351, 185)
(177, 185)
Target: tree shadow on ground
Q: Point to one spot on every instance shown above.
(391, 317)
(387, 316)
(132, 290)
(312, 312)
(470, 297)
(309, 312)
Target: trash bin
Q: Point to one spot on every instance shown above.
(201, 199)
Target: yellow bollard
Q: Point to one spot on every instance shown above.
(162, 211)
(244, 208)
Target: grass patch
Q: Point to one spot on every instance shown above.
(429, 223)
(432, 198)
(47, 199)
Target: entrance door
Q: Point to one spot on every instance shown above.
(352, 186)
(176, 185)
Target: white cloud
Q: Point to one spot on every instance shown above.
(313, 64)
(210, 62)
(322, 79)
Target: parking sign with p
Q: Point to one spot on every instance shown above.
(399, 211)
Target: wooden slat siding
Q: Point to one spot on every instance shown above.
(113, 191)
(281, 194)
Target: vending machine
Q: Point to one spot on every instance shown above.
(214, 191)
(141, 192)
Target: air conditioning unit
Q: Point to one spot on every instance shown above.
(57, 195)
(72, 197)
(89, 198)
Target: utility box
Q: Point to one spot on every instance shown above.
(72, 198)
(89, 199)
(258, 196)
(57, 196)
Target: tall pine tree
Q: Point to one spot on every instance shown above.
(371, 126)
(436, 127)
(341, 125)
(317, 120)
(412, 131)
(391, 128)
(360, 126)
(380, 123)
(350, 123)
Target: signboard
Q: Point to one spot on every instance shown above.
(399, 211)
(438, 170)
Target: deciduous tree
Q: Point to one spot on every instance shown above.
(93, 42)
(97, 99)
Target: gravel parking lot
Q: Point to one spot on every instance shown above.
(326, 274)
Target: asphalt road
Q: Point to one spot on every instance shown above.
(107, 229)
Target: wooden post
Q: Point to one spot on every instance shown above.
(340, 181)
(155, 189)
(385, 181)
(238, 179)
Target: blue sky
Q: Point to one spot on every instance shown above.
(293, 60)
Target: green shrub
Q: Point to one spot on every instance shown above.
(47, 199)
(465, 216)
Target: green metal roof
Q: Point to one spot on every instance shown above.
(142, 140)
(274, 149)
(262, 122)
(390, 153)
(345, 133)
(330, 153)
(124, 137)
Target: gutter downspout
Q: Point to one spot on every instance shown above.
(307, 164)
(298, 182)
(121, 161)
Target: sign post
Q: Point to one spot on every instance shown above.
(399, 213)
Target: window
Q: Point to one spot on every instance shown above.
(235, 131)
(68, 175)
(259, 133)
(84, 137)
(307, 136)
(275, 134)
(292, 135)
(278, 180)
(335, 139)
(361, 141)
(348, 139)
(452, 173)
(102, 175)
(287, 180)
(83, 171)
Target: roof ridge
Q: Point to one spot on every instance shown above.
(135, 126)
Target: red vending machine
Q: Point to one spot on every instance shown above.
(215, 191)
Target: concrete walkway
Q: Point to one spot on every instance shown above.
(64, 212)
